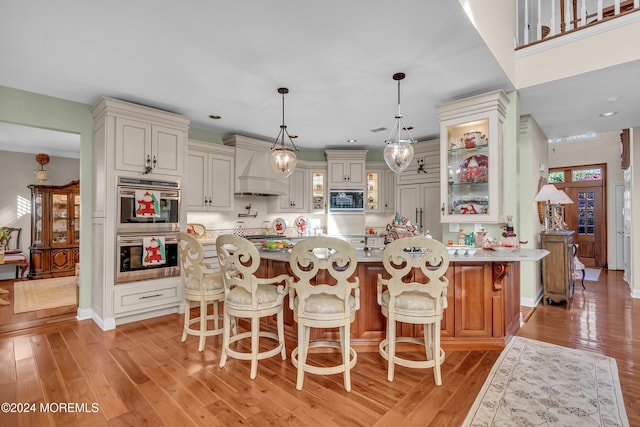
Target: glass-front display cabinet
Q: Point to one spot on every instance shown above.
(373, 191)
(471, 134)
(318, 191)
(55, 230)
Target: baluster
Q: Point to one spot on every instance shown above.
(539, 21)
(616, 8)
(600, 9)
(526, 22)
(583, 13)
(552, 24)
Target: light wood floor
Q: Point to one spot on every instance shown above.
(141, 374)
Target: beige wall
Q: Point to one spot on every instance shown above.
(604, 149)
(601, 50)
(498, 38)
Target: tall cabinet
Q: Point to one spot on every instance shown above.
(418, 188)
(55, 230)
(557, 267)
(131, 141)
(471, 134)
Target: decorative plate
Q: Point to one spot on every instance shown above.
(279, 225)
(302, 225)
(196, 230)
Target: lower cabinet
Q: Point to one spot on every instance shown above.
(483, 307)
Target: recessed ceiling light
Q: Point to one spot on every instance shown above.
(214, 117)
(351, 141)
(608, 114)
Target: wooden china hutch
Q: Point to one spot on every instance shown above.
(55, 230)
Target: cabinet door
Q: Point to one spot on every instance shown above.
(356, 173)
(295, 199)
(374, 191)
(133, 145)
(429, 210)
(60, 233)
(409, 202)
(195, 189)
(61, 260)
(337, 174)
(318, 186)
(473, 300)
(74, 214)
(167, 150)
(220, 185)
(389, 191)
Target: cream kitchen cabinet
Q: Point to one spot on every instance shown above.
(418, 203)
(149, 148)
(381, 188)
(318, 190)
(471, 135)
(346, 168)
(297, 197)
(209, 181)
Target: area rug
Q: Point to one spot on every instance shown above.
(32, 295)
(541, 384)
(592, 274)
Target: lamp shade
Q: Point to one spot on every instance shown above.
(549, 193)
(566, 200)
(398, 154)
(283, 161)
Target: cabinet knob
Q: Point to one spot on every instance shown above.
(154, 161)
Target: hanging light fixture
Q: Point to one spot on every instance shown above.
(283, 159)
(398, 152)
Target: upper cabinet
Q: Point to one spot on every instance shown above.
(209, 180)
(296, 198)
(318, 191)
(471, 135)
(346, 168)
(146, 140)
(381, 188)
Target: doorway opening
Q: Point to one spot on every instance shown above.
(587, 215)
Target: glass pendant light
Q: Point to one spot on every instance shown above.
(283, 159)
(398, 152)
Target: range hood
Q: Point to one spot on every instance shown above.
(254, 174)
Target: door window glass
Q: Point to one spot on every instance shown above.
(586, 212)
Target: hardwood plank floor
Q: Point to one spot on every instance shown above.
(141, 374)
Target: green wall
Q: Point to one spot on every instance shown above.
(31, 109)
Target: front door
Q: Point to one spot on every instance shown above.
(586, 216)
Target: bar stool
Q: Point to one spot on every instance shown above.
(420, 300)
(249, 297)
(323, 297)
(202, 284)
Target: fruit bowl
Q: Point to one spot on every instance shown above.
(276, 245)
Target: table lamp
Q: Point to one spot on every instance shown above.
(548, 194)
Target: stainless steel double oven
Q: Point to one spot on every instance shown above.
(148, 210)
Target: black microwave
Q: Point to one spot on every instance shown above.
(351, 200)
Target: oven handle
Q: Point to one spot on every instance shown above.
(169, 195)
(137, 240)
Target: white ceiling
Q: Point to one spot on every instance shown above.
(336, 57)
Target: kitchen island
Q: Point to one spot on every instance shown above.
(483, 300)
